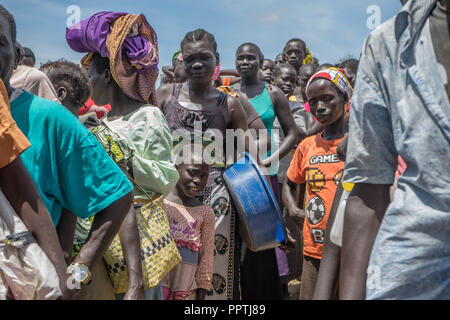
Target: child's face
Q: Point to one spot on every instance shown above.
(193, 178)
(279, 59)
(286, 81)
(351, 76)
(72, 106)
(294, 53)
(247, 61)
(306, 73)
(326, 104)
(267, 69)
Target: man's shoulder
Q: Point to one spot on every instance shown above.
(35, 74)
(44, 107)
(47, 114)
(28, 102)
(390, 33)
(24, 75)
(383, 36)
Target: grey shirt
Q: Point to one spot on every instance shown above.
(400, 107)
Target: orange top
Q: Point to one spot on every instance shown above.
(12, 140)
(316, 163)
(226, 81)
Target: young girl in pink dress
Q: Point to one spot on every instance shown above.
(192, 227)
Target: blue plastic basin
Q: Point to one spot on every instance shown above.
(262, 226)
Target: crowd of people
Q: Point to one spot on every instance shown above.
(111, 188)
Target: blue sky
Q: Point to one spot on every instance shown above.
(331, 29)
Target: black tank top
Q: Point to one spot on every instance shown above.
(211, 117)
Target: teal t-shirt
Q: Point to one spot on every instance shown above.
(68, 165)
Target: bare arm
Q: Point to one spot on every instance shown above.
(168, 71)
(238, 120)
(104, 228)
(229, 72)
(292, 202)
(255, 123)
(365, 210)
(287, 123)
(66, 233)
(329, 266)
(342, 148)
(164, 93)
(131, 247)
(20, 190)
(235, 80)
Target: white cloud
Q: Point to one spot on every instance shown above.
(272, 17)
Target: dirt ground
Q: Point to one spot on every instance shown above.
(294, 289)
(295, 258)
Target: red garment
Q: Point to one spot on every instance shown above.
(401, 167)
(90, 106)
(307, 108)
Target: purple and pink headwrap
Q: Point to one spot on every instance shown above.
(129, 42)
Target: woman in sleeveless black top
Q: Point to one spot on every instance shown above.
(193, 103)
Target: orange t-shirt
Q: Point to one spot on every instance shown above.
(12, 141)
(316, 163)
(226, 81)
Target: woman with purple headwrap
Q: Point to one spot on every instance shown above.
(122, 61)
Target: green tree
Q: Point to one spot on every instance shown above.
(347, 56)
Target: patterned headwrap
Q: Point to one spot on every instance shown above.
(337, 77)
(129, 42)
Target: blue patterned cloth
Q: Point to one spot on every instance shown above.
(400, 107)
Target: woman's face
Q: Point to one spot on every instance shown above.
(199, 61)
(326, 104)
(100, 89)
(247, 61)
